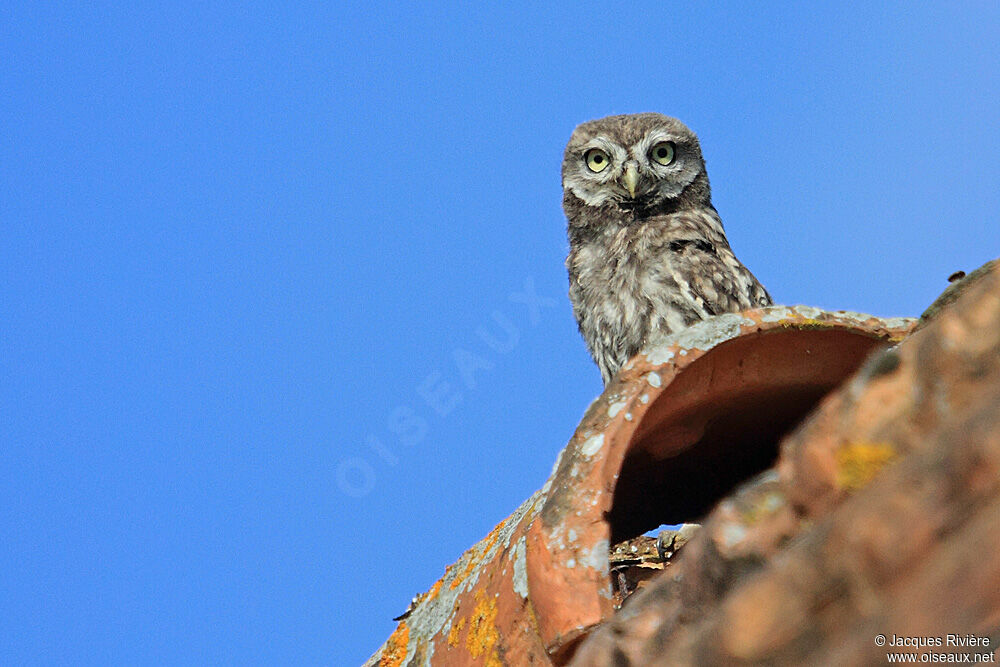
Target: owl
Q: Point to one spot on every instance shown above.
(647, 251)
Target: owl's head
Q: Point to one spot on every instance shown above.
(633, 167)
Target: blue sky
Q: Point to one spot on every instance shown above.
(242, 245)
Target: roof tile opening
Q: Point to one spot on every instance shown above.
(719, 422)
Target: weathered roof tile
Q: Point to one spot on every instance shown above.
(682, 424)
(883, 521)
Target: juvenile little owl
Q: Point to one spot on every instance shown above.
(647, 252)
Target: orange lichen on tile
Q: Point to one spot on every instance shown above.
(492, 538)
(483, 634)
(433, 592)
(859, 462)
(477, 556)
(456, 629)
(395, 648)
(806, 324)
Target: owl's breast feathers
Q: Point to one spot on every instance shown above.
(655, 276)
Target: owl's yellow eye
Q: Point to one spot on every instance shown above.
(663, 152)
(597, 160)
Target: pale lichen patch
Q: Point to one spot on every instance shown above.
(596, 557)
(521, 568)
(659, 354)
(592, 445)
(733, 534)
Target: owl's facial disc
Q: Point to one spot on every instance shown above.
(638, 176)
(632, 168)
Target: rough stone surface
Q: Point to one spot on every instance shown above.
(882, 516)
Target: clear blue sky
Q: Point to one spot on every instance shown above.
(236, 240)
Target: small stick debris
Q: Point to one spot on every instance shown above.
(635, 561)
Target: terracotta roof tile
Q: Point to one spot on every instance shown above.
(882, 519)
(683, 424)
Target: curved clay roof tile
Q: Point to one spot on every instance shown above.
(683, 423)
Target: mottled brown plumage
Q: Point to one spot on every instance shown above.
(648, 254)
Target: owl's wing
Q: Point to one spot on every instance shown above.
(699, 260)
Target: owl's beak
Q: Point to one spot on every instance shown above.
(631, 179)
